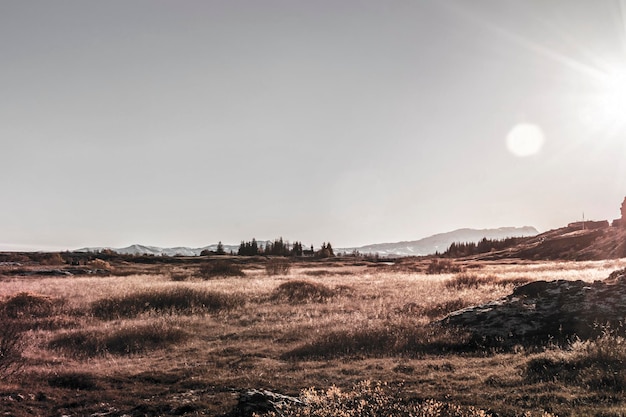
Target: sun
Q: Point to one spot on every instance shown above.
(612, 99)
(525, 139)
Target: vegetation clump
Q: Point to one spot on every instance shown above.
(219, 269)
(170, 300)
(11, 347)
(277, 266)
(443, 266)
(368, 399)
(592, 364)
(73, 381)
(126, 340)
(302, 291)
(26, 305)
(384, 340)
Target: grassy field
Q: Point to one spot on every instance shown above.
(181, 339)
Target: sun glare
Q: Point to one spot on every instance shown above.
(613, 100)
(525, 139)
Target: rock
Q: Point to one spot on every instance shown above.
(261, 401)
(544, 311)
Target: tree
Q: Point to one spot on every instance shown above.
(220, 249)
(326, 251)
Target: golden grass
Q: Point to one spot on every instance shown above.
(348, 323)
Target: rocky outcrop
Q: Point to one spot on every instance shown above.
(544, 311)
(261, 401)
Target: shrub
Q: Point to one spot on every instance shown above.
(367, 399)
(100, 264)
(277, 266)
(463, 281)
(171, 300)
(220, 268)
(26, 305)
(385, 340)
(443, 266)
(593, 364)
(445, 308)
(300, 291)
(73, 381)
(120, 341)
(52, 259)
(11, 347)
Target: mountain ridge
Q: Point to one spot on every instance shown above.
(425, 246)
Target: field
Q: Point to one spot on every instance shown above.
(185, 339)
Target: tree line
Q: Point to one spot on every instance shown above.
(458, 249)
(279, 247)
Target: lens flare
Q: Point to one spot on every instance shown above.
(525, 139)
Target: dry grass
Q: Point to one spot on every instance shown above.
(177, 300)
(143, 344)
(121, 340)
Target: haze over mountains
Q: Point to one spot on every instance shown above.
(425, 246)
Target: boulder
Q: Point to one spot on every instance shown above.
(256, 401)
(544, 311)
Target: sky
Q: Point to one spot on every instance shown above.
(184, 123)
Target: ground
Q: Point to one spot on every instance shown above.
(175, 339)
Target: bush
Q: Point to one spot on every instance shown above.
(463, 281)
(277, 266)
(443, 266)
(593, 364)
(445, 308)
(299, 291)
(385, 340)
(170, 300)
(218, 269)
(26, 305)
(121, 341)
(367, 399)
(11, 347)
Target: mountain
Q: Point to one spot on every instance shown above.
(440, 242)
(426, 246)
(137, 249)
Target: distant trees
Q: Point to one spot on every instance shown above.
(280, 247)
(326, 251)
(458, 249)
(248, 248)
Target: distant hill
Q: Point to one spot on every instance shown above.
(440, 242)
(426, 246)
(567, 243)
(137, 249)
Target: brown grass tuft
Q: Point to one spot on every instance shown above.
(367, 399)
(169, 301)
(388, 339)
(301, 291)
(73, 381)
(277, 266)
(126, 340)
(26, 306)
(219, 269)
(443, 266)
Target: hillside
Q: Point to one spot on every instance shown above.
(441, 241)
(566, 243)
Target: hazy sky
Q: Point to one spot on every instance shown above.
(187, 122)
